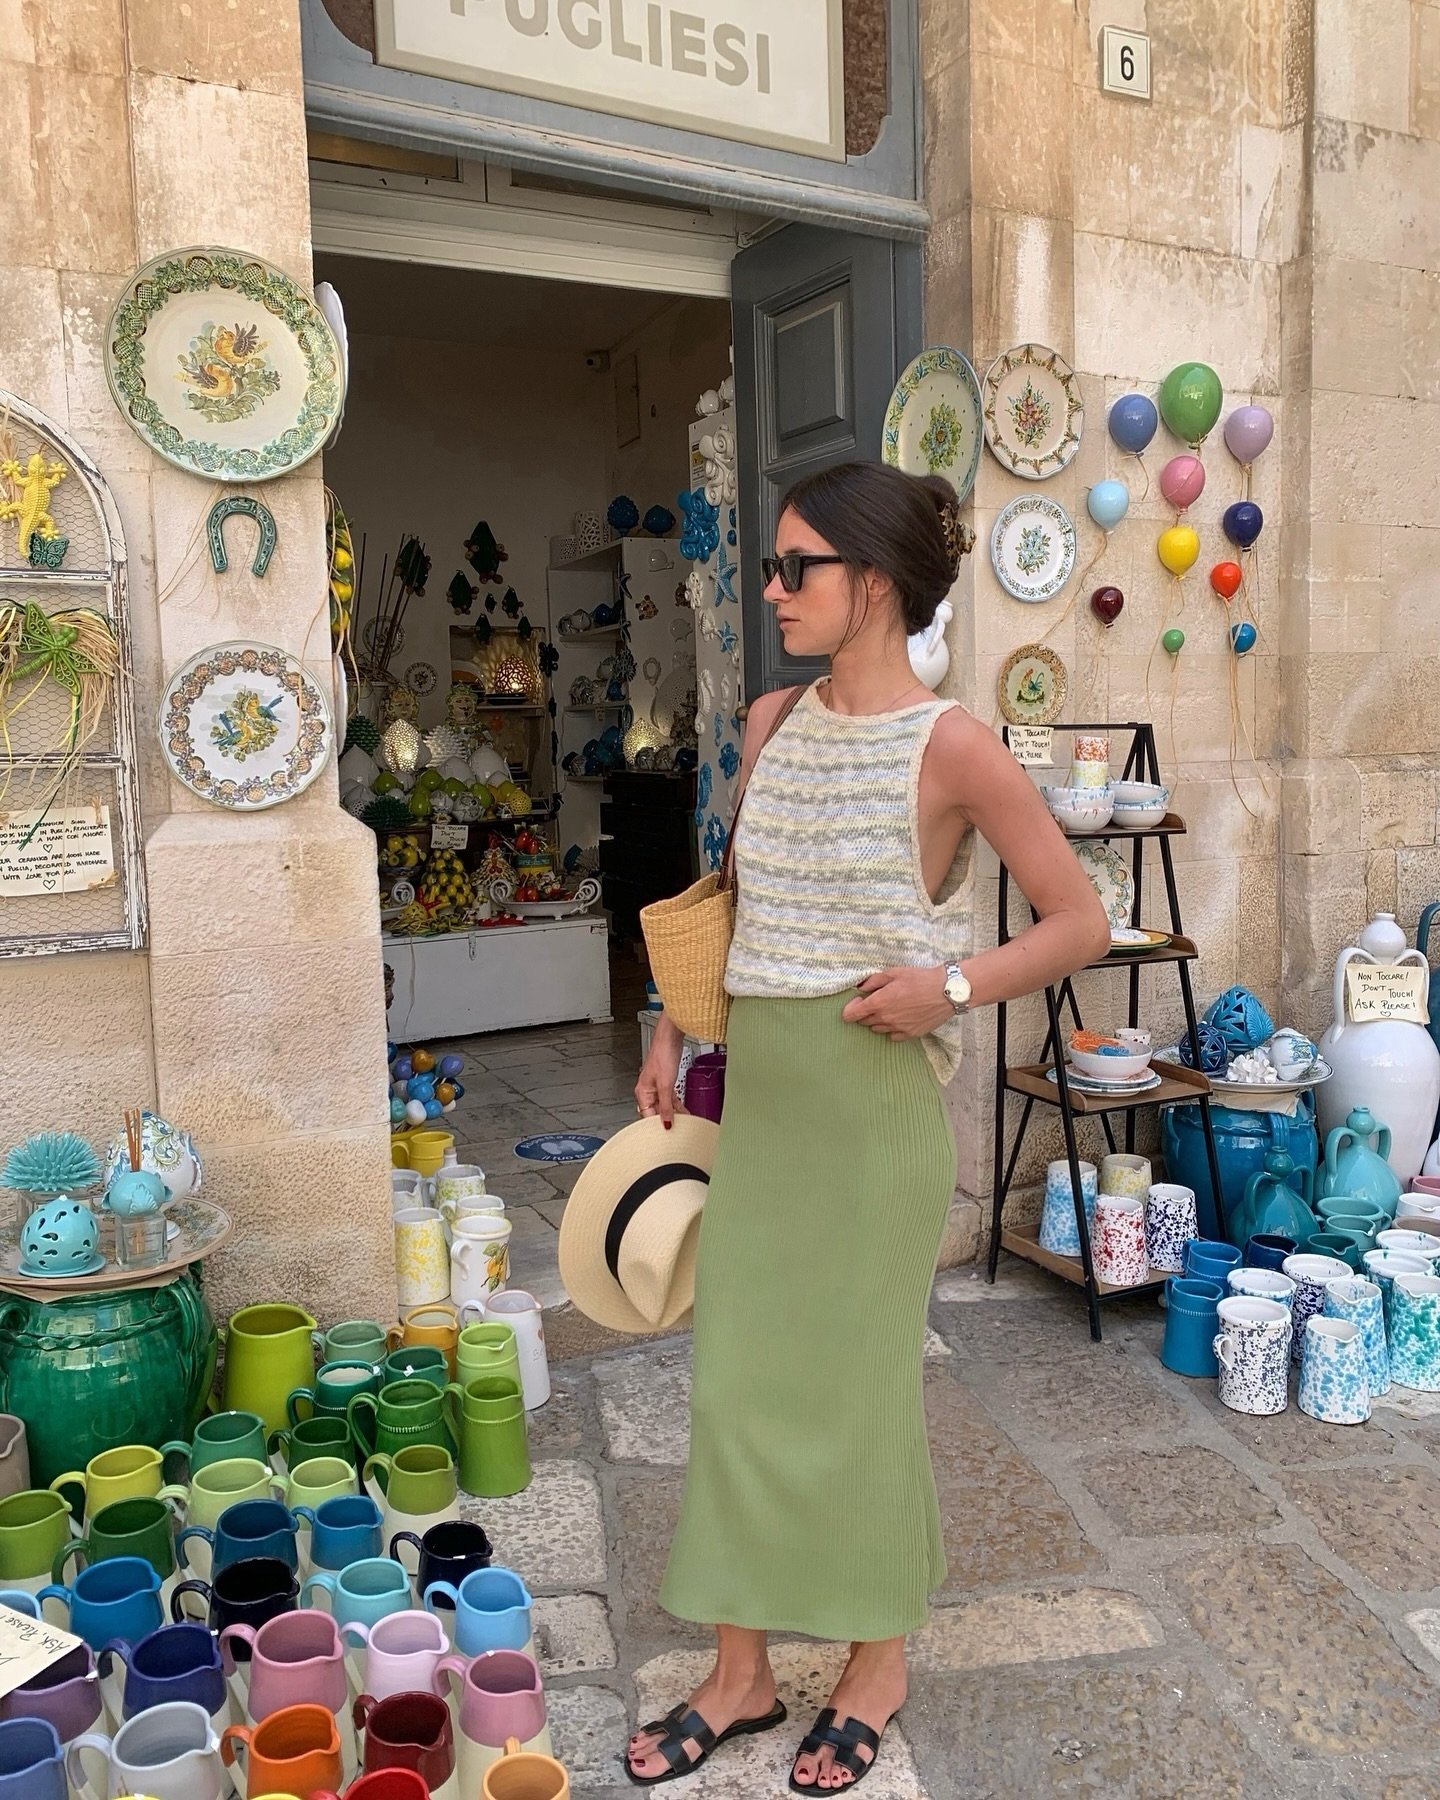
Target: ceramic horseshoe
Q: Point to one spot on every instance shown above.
(250, 508)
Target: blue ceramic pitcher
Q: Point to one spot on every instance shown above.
(177, 1662)
(1271, 1206)
(32, 1764)
(1190, 1323)
(116, 1598)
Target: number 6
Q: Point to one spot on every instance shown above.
(1127, 63)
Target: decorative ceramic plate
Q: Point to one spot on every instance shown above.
(1086, 1084)
(1321, 1072)
(1032, 686)
(245, 726)
(93, 1267)
(1032, 548)
(224, 365)
(329, 303)
(1128, 940)
(367, 637)
(933, 424)
(194, 1228)
(1110, 877)
(1033, 411)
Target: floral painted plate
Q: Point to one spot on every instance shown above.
(1033, 411)
(933, 424)
(1032, 686)
(329, 303)
(245, 726)
(1032, 548)
(1110, 877)
(224, 365)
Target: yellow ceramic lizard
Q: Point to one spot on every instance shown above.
(29, 512)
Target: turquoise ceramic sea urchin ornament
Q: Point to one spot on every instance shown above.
(51, 1162)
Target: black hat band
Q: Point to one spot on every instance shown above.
(635, 1197)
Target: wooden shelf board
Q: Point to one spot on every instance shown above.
(1179, 949)
(1176, 1083)
(1172, 825)
(1024, 1242)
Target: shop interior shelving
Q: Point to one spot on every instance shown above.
(1029, 1081)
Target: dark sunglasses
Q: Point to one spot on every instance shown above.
(791, 569)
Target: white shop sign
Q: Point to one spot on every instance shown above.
(752, 70)
(69, 853)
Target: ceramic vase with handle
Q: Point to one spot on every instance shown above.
(34, 1529)
(521, 1774)
(170, 1752)
(1358, 1300)
(66, 1695)
(1311, 1275)
(119, 1597)
(218, 1438)
(32, 1761)
(422, 1264)
(1414, 1326)
(501, 1697)
(1120, 1257)
(522, 1313)
(488, 1419)
(268, 1351)
(1190, 1322)
(1058, 1230)
(492, 1349)
(492, 1611)
(1333, 1387)
(1171, 1220)
(1253, 1351)
(177, 1662)
(410, 1731)
(401, 1653)
(404, 1414)
(293, 1751)
(298, 1658)
(362, 1594)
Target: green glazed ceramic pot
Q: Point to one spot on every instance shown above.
(103, 1369)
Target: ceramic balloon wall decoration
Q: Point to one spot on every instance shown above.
(1133, 422)
(1107, 503)
(1190, 399)
(1178, 547)
(1173, 641)
(1107, 603)
(1182, 481)
(1248, 432)
(1242, 523)
(1242, 637)
(1225, 578)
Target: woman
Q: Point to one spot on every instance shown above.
(809, 1500)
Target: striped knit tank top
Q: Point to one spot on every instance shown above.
(827, 860)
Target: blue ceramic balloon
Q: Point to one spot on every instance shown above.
(1242, 637)
(433, 1109)
(449, 1066)
(1107, 503)
(422, 1087)
(402, 1068)
(1243, 523)
(459, 1091)
(397, 1111)
(1133, 422)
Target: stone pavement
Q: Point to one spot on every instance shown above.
(1148, 1596)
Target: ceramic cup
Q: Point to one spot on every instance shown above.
(419, 1479)
(1262, 1284)
(1171, 1221)
(408, 1731)
(324, 1435)
(1121, 1173)
(401, 1652)
(1310, 1274)
(1333, 1387)
(362, 1593)
(221, 1484)
(32, 1761)
(1190, 1324)
(1210, 1259)
(117, 1598)
(218, 1438)
(1119, 1240)
(129, 1472)
(422, 1264)
(343, 1529)
(170, 1752)
(1359, 1300)
(436, 1325)
(320, 1478)
(521, 1774)
(243, 1593)
(492, 1610)
(352, 1340)
(401, 1415)
(34, 1528)
(174, 1662)
(487, 1418)
(293, 1751)
(124, 1528)
(1268, 1250)
(1414, 1327)
(522, 1313)
(447, 1552)
(249, 1528)
(1059, 1232)
(1252, 1348)
(14, 1455)
(295, 1659)
(335, 1385)
(66, 1695)
(501, 1697)
(1410, 1243)
(420, 1362)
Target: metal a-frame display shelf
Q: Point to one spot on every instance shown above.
(1030, 1080)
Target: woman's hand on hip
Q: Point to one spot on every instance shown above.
(655, 1088)
(901, 1003)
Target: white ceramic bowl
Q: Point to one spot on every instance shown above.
(1111, 1066)
(1139, 802)
(1079, 809)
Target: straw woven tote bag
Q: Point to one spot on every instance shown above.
(688, 936)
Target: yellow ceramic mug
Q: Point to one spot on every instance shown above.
(437, 1324)
(129, 1472)
(519, 1774)
(421, 1150)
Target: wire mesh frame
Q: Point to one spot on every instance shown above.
(105, 588)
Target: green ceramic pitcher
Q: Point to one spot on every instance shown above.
(1271, 1206)
(268, 1351)
(1352, 1167)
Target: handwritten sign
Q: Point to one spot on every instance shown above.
(449, 837)
(1030, 746)
(28, 1646)
(69, 853)
(1385, 991)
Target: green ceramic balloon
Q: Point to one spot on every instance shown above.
(127, 1367)
(1190, 401)
(1174, 640)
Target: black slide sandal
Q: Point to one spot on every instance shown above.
(844, 1740)
(680, 1726)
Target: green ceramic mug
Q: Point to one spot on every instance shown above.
(488, 1418)
(34, 1529)
(138, 1527)
(221, 1484)
(351, 1341)
(218, 1437)
(324, 1435)
(335, 1386)
(421, 1361)
(402, 1413)
(488, 1349)
(420, 1479)
(321, 1478)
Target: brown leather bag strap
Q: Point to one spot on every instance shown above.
(783, 712)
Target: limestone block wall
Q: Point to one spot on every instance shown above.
(257, 1016)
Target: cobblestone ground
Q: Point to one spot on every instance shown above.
(1148, 1596)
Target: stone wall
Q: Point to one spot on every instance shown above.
(257, 1016)
(1280, 159)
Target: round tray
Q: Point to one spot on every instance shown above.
(202, 1228)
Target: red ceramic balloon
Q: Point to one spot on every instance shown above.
(1225, 578)
(1106, 603)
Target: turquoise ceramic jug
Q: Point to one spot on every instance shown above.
(1271, 1206)
(1352, 1167)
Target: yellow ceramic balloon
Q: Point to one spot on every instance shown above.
(1178, 547)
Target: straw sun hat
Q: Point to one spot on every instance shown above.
(632, 1223)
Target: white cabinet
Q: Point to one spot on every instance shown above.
(539, 973)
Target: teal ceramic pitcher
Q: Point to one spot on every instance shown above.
(1352, 1167)
(1271, 1207)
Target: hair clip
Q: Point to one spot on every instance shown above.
(959, 537)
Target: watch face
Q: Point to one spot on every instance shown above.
(957, 989)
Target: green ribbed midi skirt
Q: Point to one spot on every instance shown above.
(809, 1499)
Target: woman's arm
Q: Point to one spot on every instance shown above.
(982, 783)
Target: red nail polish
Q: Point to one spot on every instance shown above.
(669, 1123)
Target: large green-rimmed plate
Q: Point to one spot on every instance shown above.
(224, 365)
(933, 423)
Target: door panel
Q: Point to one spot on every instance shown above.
(824, 321)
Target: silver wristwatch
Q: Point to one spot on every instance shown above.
(957, 988)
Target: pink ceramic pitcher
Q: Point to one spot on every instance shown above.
(295, 1659)
(501, 1696)
(401, 1653)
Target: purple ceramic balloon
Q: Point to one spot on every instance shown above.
(1248, 432)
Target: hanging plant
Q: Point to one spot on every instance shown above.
(76, 649)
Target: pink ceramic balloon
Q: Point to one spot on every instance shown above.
(1182, 481)
(1248, 432)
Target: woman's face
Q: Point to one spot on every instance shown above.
(816, 620)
